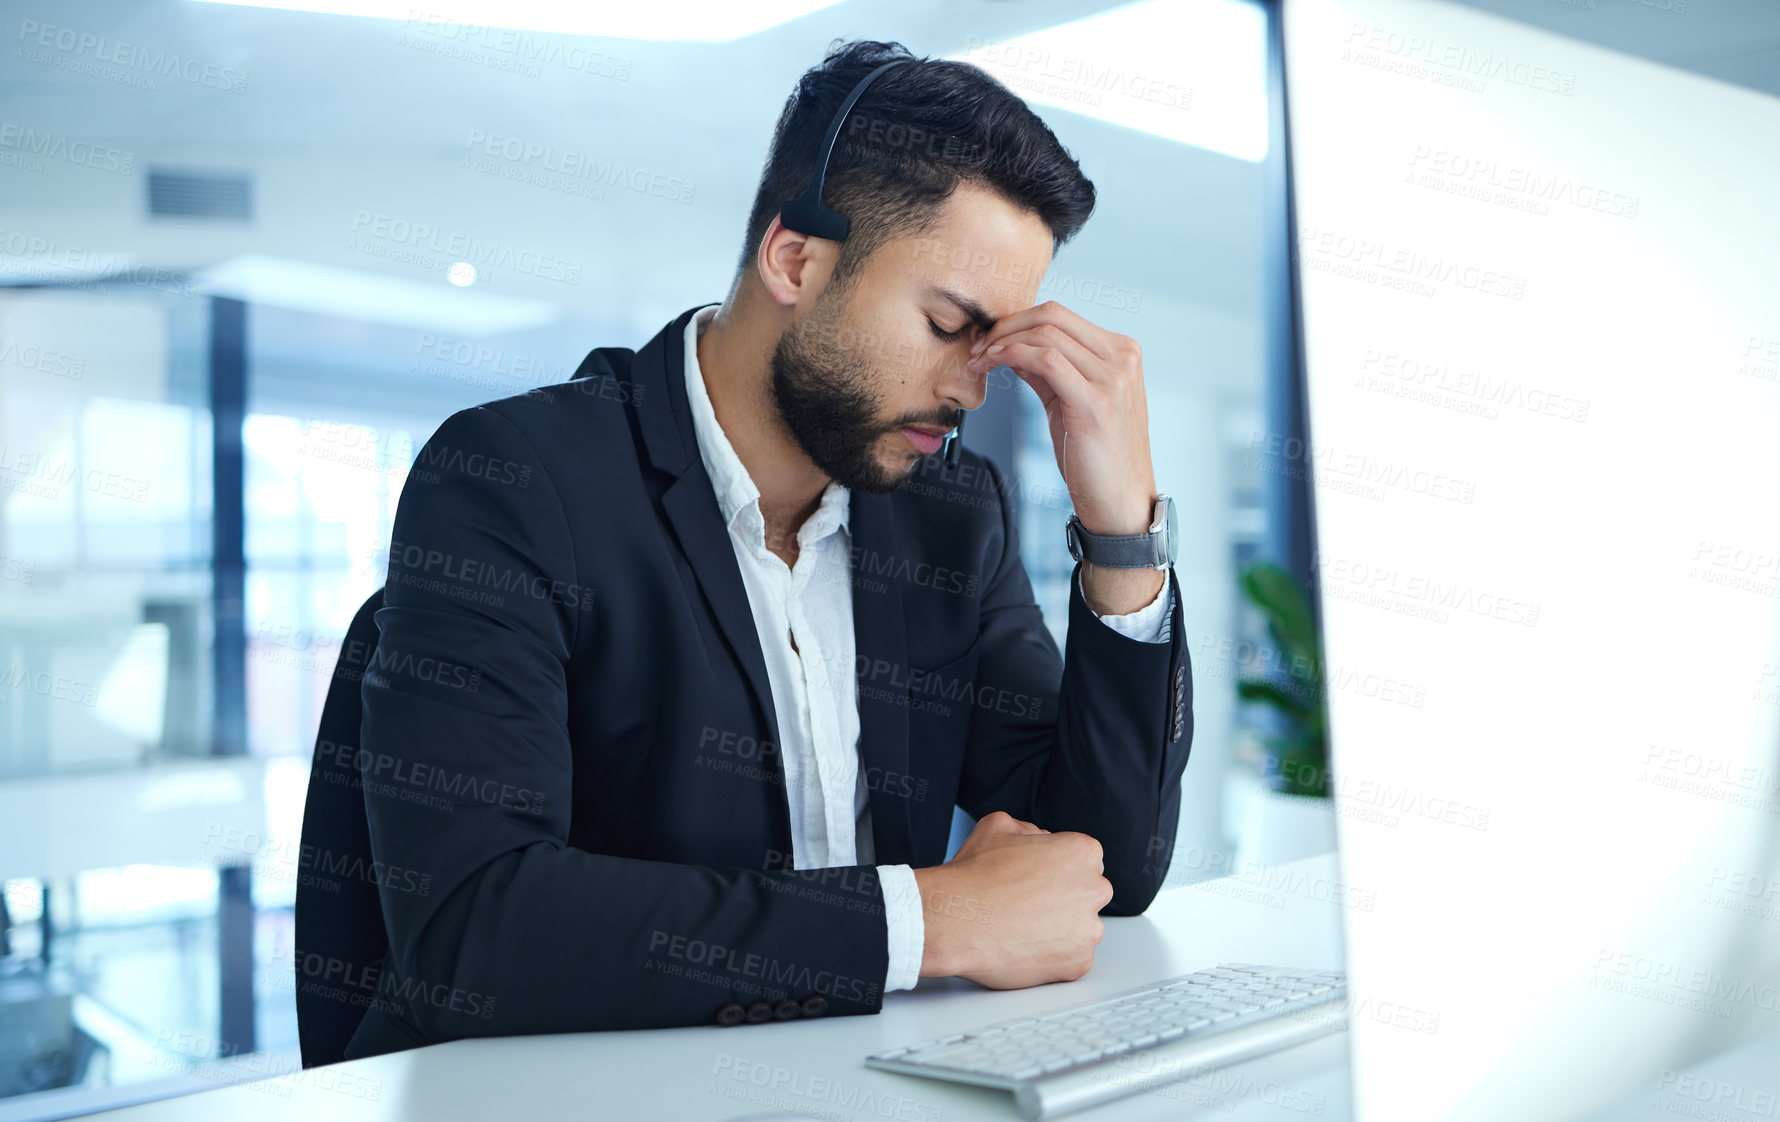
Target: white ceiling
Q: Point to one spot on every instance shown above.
(343, 115)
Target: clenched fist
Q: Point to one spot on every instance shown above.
(1016, 906)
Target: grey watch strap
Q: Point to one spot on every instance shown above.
(1153, 549)
(1130, 551)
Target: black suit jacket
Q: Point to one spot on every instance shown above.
(568, 745)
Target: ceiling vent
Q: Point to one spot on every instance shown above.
(175, 194)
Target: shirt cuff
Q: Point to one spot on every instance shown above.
(907, 926)
(1153, 623)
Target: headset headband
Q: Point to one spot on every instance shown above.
(808, 214)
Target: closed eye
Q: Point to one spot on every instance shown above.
(948, 336)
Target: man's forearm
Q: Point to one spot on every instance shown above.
(1117, 592)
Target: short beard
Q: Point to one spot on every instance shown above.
(827, 405)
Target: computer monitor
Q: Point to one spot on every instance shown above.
(1540, 316)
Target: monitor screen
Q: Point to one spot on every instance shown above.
(1540, 302)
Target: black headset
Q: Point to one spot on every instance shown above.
(808, 214)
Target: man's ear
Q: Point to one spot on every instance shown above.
(794, 267)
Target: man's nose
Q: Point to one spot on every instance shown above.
(964, 387)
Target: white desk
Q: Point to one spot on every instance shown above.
(1287, 916)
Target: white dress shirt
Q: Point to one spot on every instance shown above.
(804, 615)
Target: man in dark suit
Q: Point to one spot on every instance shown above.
(679, 678)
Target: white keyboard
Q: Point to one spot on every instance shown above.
(1137, 1040)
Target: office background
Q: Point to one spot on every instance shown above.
(252, 258)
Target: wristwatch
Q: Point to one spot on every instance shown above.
(1152, 550)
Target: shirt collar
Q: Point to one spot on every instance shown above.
(737, 496)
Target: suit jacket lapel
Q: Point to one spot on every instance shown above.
(880, 634)
(881, 642)
(690, 503)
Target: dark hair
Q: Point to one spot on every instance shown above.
(916, 132)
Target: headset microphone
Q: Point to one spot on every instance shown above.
(809, 215)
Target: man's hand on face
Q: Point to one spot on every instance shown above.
(1090, 382)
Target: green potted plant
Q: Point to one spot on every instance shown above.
(1290, 816)
(1297, 759)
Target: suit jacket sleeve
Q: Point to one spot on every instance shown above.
(467, 771)
(1104, 750)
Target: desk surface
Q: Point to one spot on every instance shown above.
(1286, 915)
